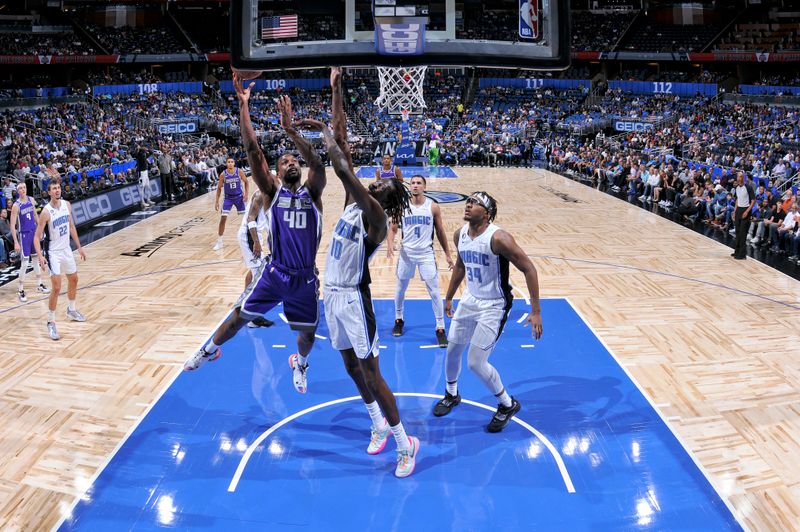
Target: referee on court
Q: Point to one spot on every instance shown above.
(745, 199)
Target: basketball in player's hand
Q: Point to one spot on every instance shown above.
(247, 74)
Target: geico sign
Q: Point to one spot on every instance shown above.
(187, 127)
(91, 208)
(400, 38)
(632, 126)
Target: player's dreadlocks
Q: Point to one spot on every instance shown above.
(396, 200)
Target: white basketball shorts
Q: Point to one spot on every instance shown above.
(407, 266)
(61, 261)
(351, 320)
(478, 321)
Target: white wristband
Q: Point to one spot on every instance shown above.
(252, 225)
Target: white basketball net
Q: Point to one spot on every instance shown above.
(401, 88)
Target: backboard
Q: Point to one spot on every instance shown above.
(297, 34)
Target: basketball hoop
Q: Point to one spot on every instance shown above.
(401, 89)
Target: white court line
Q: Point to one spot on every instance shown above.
(67, 513)
(522, 318)
(663, 419)
(253, 446)
(278, 345)
(428, 346)
(320, 336)
(521, 293)
(528, 346)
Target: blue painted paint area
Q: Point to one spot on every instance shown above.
(368, 172)
(628, 469)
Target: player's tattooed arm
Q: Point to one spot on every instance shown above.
(259, 168)
(375, 215)
(316, 170)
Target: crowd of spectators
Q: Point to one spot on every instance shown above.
(29, 43)
(138, 40)
(655, 37)
(685, 165)
(600, 31)
(116, 76)
(489, 24)
(783, 79)
(763, 37)
(692, 193)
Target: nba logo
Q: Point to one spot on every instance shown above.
(528, 19)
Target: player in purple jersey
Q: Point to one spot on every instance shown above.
(387, 169)
(294, 218)
(236, 186)
(24, 212)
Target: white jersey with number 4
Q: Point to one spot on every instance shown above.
(486, 272)
(417, 226)
(58, 226)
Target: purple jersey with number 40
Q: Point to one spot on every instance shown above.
(295, 229)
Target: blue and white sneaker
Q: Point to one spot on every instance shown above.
(407, 460)
(378, 439)
(52, 331)
(200, 358)
(74, 315)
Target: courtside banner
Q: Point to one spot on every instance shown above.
(87, 210)
(407, 38)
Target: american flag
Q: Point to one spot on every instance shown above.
(278, 27)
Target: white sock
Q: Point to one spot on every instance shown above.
(400, 437)
(436, 301)
(210, 346)
(23, 270)
(37, 270)
(378, 421)
(71, 305)
(400, 297)
(302, 360)
(452, 388)
(504, 398)
(51, 315)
